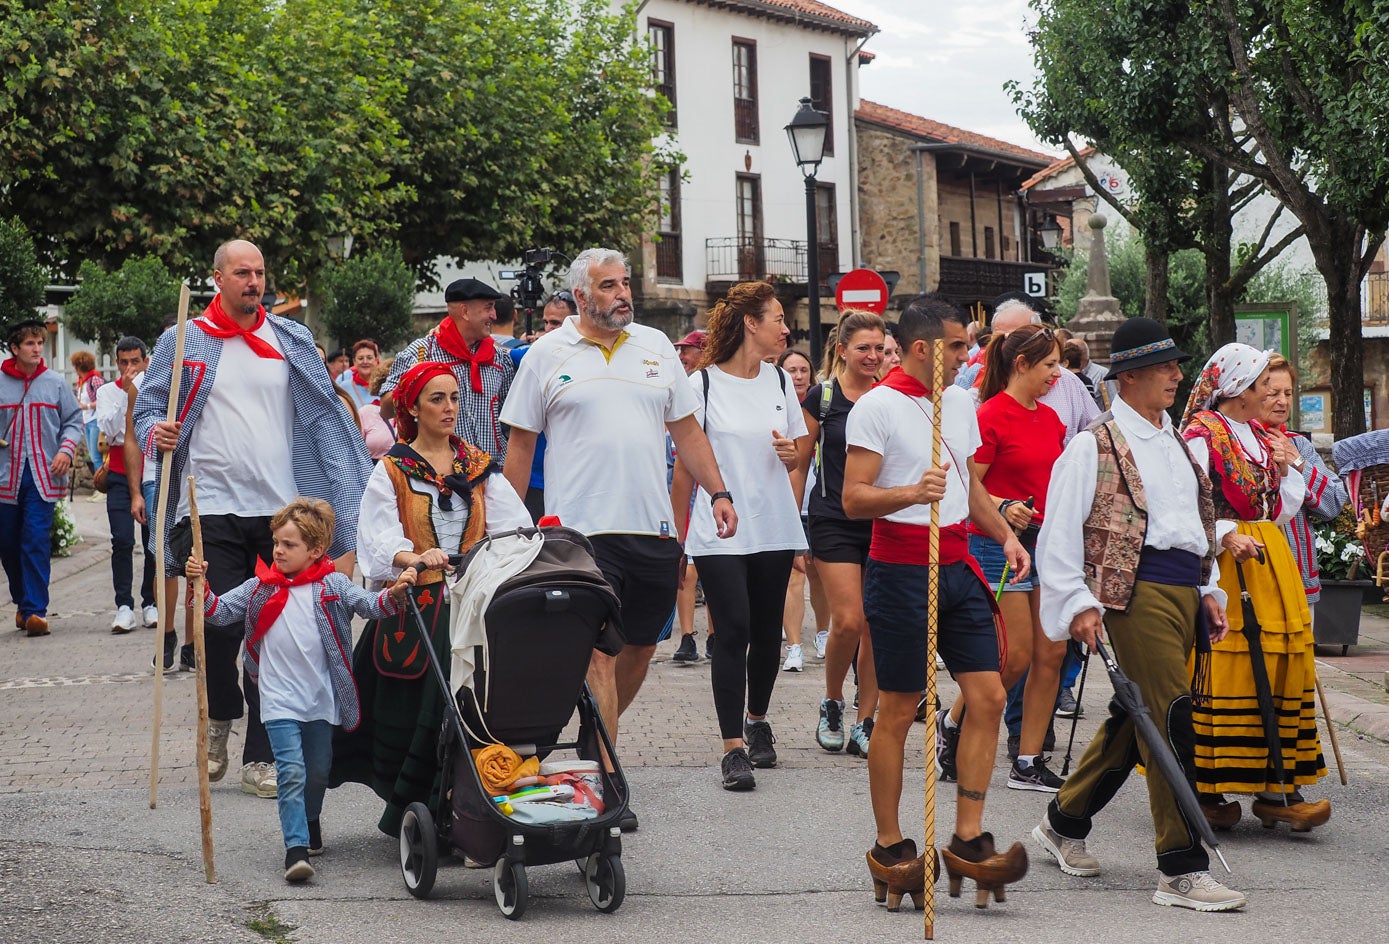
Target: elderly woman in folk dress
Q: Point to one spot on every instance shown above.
(431, 496)
(1258, 485)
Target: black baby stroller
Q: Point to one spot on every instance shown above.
(541, 628)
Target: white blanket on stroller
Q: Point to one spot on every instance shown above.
(498, 560)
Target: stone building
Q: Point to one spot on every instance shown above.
(940, 205)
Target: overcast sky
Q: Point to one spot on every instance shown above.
(948, 61)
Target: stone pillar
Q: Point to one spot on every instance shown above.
(1098, 313)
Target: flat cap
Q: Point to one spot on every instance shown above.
(463, 290)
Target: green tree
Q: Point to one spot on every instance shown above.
(371, 295)
(21, 279)
(132, 301)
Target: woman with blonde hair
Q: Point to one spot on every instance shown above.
(839, 544)
(749, 412)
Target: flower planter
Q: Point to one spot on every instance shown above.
(1337, 619)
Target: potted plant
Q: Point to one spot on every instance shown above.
(1340, 558)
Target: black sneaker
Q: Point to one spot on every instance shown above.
(947, 744)
(709, 646)
(170, 653)
(687, 651)
(297, 867)
(186, 659)
(315, 838)
(737, 770)
(1034, 776)
(759, 738)
(1066, 706)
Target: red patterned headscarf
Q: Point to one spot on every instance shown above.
(1230, 371)
(407, 394)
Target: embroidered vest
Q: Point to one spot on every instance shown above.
(419, 527)
(1118, 522)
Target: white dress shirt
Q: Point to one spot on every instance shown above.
(1169, 482)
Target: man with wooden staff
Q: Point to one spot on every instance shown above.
(1128, 542)
(889, 477)
(258, 424)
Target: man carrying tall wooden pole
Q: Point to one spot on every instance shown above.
(889, 476)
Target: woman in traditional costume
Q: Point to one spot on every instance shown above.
(1258, 485)
(431, 496)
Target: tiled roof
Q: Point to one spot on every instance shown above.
(812, 12)
(948, 134)
(1054, 168)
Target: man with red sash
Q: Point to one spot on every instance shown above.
(889, 477)
(259, 424)
(484, 369)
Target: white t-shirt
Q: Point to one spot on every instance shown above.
(604, 419)
(240, 449)
(294, 680)
(741, 415)
(898, 428)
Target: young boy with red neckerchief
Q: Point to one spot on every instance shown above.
(297, 615)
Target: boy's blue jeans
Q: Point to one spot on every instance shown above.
(303, 754)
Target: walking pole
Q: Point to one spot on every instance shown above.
(199, 651)
(1330, 729)
(161, 597)
(932, 626)
(1080, 693)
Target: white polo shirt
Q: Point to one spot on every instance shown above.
(898, 428)
(604, 416)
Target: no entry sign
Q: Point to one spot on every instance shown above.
(862, 288)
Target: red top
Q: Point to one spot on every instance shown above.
(1019, 446)
(115, 459)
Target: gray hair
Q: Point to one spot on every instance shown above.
(1013, 304)
(578, 278)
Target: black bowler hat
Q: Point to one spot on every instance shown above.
(1141, 342)
(465, 290)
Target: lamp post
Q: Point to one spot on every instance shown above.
(1050, 231)
(807, 133)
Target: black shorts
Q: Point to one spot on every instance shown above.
(644, 571)
(895, 604)
(840, 540)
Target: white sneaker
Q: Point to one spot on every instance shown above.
(258, 779)
(794, 661)
(1198, 891)
(151, 615)
(822, 639)
(124, 620)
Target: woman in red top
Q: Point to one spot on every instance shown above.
(1021, 439)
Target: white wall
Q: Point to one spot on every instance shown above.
(705, 130)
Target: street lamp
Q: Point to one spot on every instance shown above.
(807, 133)
(1050, 231)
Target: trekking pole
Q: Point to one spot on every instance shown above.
(160, 513)
(200, 652)
(1080, 693)
(932, 628)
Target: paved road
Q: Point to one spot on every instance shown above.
(82, 858)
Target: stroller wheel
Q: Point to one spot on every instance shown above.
(606, 881)
(419, 850)
(511, 888)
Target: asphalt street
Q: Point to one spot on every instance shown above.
(84, 859)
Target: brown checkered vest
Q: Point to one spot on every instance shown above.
(1118, 520)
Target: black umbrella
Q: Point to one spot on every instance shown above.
(1268, 715)
(1159, 752)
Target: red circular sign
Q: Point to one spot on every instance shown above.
(862, 288)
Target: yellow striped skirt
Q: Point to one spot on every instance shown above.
(1232, 752)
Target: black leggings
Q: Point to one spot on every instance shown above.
(745, 595)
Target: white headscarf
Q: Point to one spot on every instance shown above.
(1230, 371)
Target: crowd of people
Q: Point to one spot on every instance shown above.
(1069, 507)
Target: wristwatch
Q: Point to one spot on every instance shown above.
(1298, 464)
(717, 495)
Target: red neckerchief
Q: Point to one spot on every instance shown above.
(357, 379)
(903, 382)
(11, 367)
(218, 324)
(271, 576)
(452, 342)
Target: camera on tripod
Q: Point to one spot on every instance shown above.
(529, 290)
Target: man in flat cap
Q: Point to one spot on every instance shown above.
(464, 341)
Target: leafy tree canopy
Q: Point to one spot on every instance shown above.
(132, 301)
(21, 279)
(371, 295)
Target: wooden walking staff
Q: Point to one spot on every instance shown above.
(932, 627)
(199, 760)
(162, 602)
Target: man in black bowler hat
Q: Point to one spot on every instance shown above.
(464, 341)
